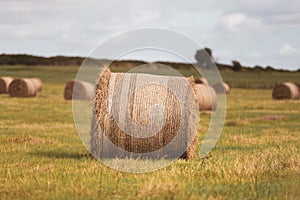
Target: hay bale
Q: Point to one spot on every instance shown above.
(127, 113)
(286, 90)
(221, 88)
(22, 87)
(201, 80)
(4, 84)
(207, 97)
(83, 90)
(38, 83)
(298, 86)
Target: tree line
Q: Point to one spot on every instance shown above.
(31, 60)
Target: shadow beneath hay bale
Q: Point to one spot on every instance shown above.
(60, 155)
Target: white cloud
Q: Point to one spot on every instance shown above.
(263, 8)
(287, 50)
(241, 23)
(232, 21)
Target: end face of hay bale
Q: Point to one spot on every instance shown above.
(286, 90)
(4, 84)
(127, 113)
(68, 91)
(22, 88)
(78, 90)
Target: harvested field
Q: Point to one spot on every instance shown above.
(42, 156)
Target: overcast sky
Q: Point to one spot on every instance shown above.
(254, 32)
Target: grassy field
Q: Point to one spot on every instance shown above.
(42, 157)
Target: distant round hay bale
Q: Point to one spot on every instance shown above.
(207, 97)
(298, 86)
(221, 88)
(201, 80)
(226, 87)
(127, 113)
(22, 87)
(199, 94)
(83, 90)
(38, 83)
(286, 90)
(4, 84)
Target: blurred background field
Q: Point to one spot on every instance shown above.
(245, 79)
(257, 156)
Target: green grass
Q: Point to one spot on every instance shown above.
(59, 75)
(42, 157)
(264, 80)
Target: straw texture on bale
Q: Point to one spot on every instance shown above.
(4, 84)
(38, 83)
(129, 122)
(201, 80)
(23, 87)
(207, 97)
(286, 90)
(221, 88)
(78, 90)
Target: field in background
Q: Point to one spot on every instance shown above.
(257, 156)
(59, 75)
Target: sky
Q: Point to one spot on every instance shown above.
(254, 32)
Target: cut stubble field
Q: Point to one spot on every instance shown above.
(42, 157)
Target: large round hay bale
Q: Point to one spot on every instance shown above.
(78, 90)
(4, 84)
(285, 90)
(130, 122)
(22, 87)
(221, 88)
(207, 97)
(38, 83)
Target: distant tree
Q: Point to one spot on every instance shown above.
(209, 51)
(270, 69)
(23, 59)
(236, 66)
(258, 68)
(202, 58)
